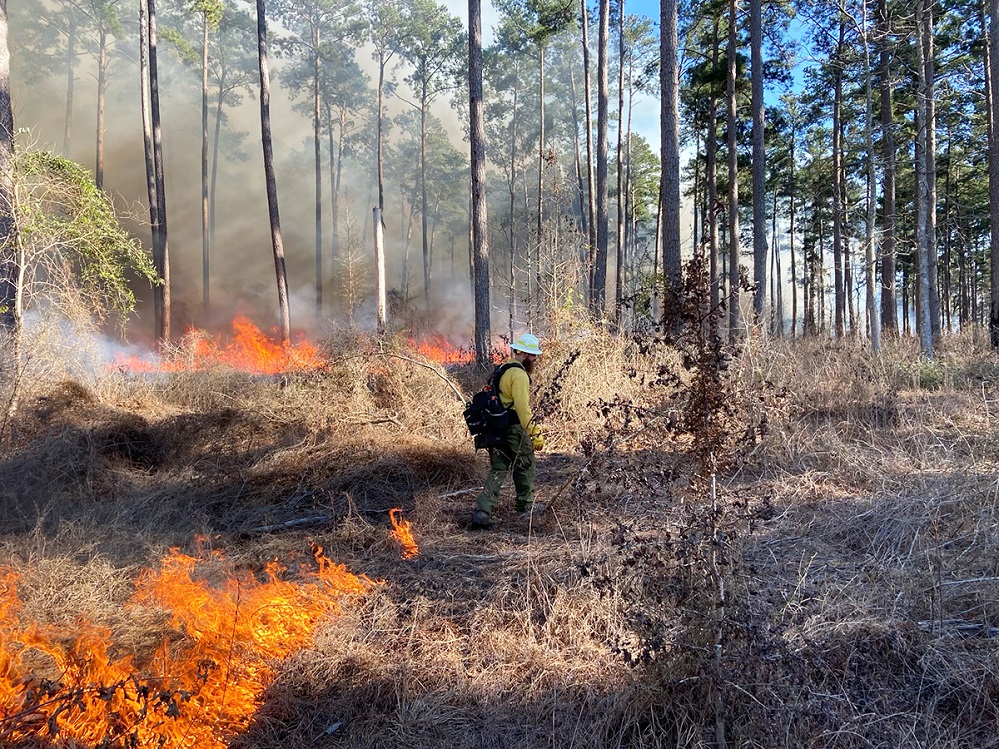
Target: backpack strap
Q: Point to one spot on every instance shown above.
(501, 370)
(495, 382)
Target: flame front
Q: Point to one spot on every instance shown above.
(248, 350)
(439, 349)
(201, 686)
(402, 534)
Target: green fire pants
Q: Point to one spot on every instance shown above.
(516, 455)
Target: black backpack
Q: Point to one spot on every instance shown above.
(485, 415)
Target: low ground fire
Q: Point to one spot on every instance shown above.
(247, 350)
(202, 685)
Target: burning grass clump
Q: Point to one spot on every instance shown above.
(198, 687)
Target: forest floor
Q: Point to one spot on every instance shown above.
(834, 582)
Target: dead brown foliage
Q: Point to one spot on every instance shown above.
(858, 525)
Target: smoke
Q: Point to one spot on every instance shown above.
(242, 277)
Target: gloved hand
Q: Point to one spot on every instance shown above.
(538, 442)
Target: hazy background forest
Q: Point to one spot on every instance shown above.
(823, 183)
(825, 177)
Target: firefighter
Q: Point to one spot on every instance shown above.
(520, 440)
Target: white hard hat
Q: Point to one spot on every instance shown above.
(528, 344)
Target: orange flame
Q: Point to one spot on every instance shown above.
(439, 349)
(249, 350)
(402, 534)
(200, 687)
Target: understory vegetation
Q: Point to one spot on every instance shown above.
(787, 544)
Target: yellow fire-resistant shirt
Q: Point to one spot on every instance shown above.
(515, 390)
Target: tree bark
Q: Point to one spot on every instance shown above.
(889, 300)
(993, 148)
(381, 307)
(923, 192)
(837, 202)
(669, 128)
(711, 178)
(874, 322)
(619, 224)
(790, 222)
(930, 154)
(759, 157)
(317, 156)
(102, 85)
(161, 251)
(591, 226)
(477, 152)
(277, 244)
(734, 314)
(205, 228)
(512, 306)
(534, 262)
(600, 271)
(379, 137)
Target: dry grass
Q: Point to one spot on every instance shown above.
(862, 604)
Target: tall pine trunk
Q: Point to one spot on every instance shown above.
(102, 86)
(600, 271)
(424, 203)
(205, 228)
(317, 156)
(380, 135)
(512, 301)
(591, 233)
(477, 139)
(889, 300)
(619, 158)
(277, 244)
(669, 128)
(734, 313)
(993, 70)
(791, 234)
(924, 312)
(534, 258)
(874, 322)
(711, 178)
(759, 157)
(839, 292)
(930, 161)
(161, 251)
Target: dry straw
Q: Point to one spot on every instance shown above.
(858, 529)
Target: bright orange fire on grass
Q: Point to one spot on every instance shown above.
(248, 350)
(402, 534)
(201, 686)
(439, 349)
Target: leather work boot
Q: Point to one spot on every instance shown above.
(481, 520)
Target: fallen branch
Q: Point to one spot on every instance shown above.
(440, 373)
(392, 419)
(291, 523)
(959, 627)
